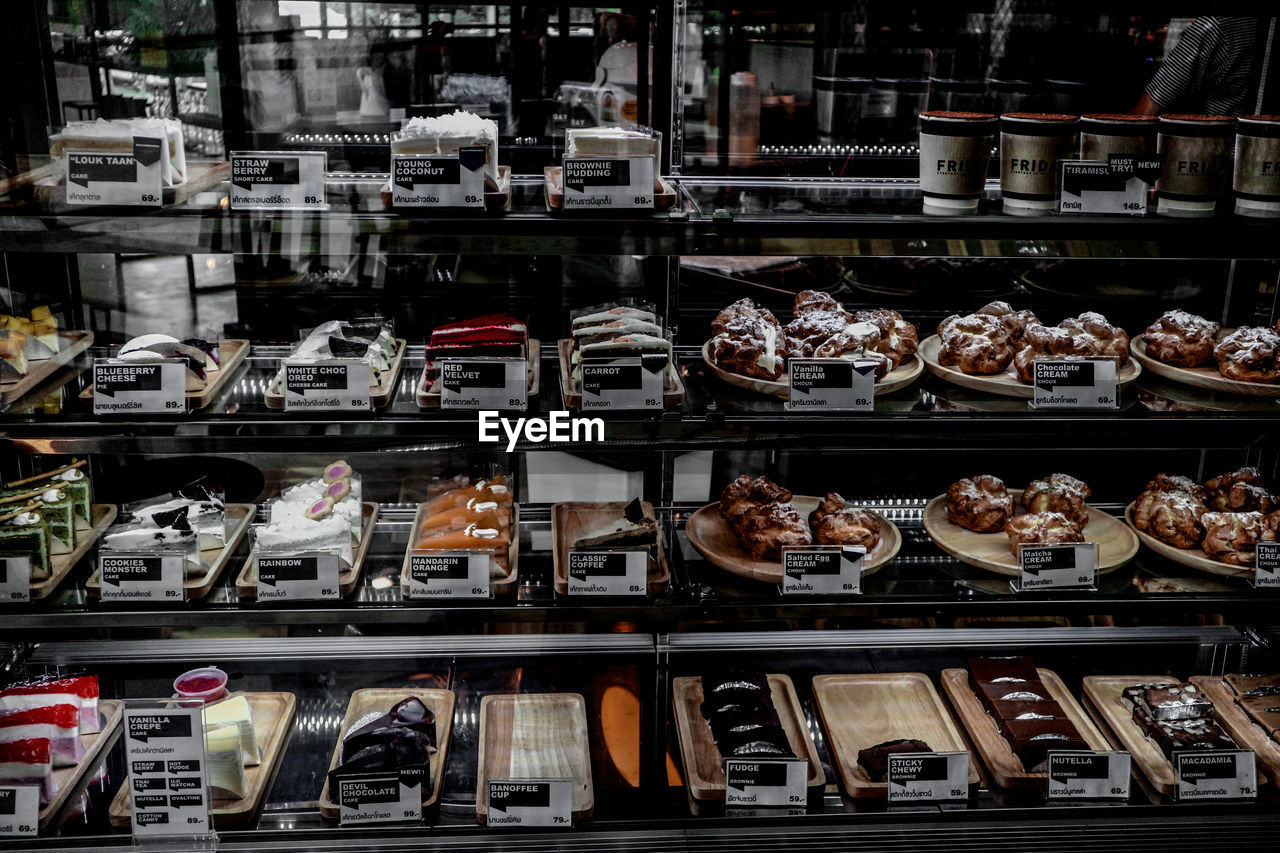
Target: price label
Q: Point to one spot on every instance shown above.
(1071, 566)
(1081, 775)
(1216, 774)
(1077, 383)
(139, 387)
(624, 383)
(278, 180)
(530, 802)
(380, 797)
(95, 178)
(298, 577)
(831, 384)
(1266, 565)
(15, 579)
(621, 572)
(19, 810)
(426, 180)
(608, 183)
(1090, 186)
(823, 570)
(141, 577)
(932, 777)
(445, 574)
(769, 782)
(484, 383)
(164, 753)
(339, 385)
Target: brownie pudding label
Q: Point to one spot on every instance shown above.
(1078, 775)
(822, 570)
(1090, 186)
(95, 178)
(128, 387)
(141, 577)
(15, 579)
(557, 428)
(608, 572)
(427, 180)
(1194, 167)
(624, 383)
(530, 802)
(19, 810)
(388, 797)
(164, 750)
(928, 777)
(1266, 565)
(602, 183)
(1216, 775)
(1075, 383)
(831, 385)
(278, 180)
(297, 577)
(1070, 566)
(484, 383)
(332, 385)
(766, 782)
(441, 574)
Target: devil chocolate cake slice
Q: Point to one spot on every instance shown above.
(402, 737)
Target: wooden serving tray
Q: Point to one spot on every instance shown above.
(860, 711)
(998, 756)
(272, 721)
(664, 195)
(247, 580)
(1193, 557)
(1104, 694)
(381, 699)
(703, 764)
(70, 345)
(379, 395)
(60, 565)
(110, 712)
(240, 517)
(895, 380)
(672, 392)
(1237, 723)
(1206, 378)
(495, 201)
(50, 192)
(498, 586)
(535, 736)
(1006, 383)
(430, 399)
(571, 518)
(232, 353)
(715, 540)
(1117, 543)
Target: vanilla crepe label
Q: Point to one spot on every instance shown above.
(607, 183)
(164, 751)
(1219, 774)
(1079, 775)
(141, 577)
(15, 579)
(769, 782)
(121, 386)
(98, 178)
(1069, 566)
(278, 180)
(928, 777)
(440, 181)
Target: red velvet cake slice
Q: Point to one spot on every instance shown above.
(60, 724)
(80, 690)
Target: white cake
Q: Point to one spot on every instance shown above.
(296, 534)
(116, 136)
(446, 134)
(235, 711)
(223, 764)
(611, 142)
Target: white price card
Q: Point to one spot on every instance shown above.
(1074, 383)
(1216, 774)
(141, 577)
(339, 385)
(607, 183)
(484, 383)
(15, 580)
(624, 383)
(1083, 775)
(298, 577)
(608, 573)
(823, 570)
(449, 574)
(432, 180)
(393, 797)
(19, 810)
(1117, 186)
(278, 180)
(928, 777)
(1044, 567)
(1266, 565)
(97, 177)
(530, 802)
(164, 754)
(831, 385)
(769, 782)
(139, 387)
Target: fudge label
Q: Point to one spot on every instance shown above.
(624, 383)
(298, 577)
(449, 574)
(123, 179)
(769, 782)
(1266, 565)
(932, 777)
(618, 572)
(1080, 775)
(19, 810)
(142, 577)
(1080, 383)
(432, 180)
(1070, 566)
(164, 751)
(139, 388)
(392, 797)
(278, 180)
(823, 570)
(1216, 774)
(1093, 186)
(15, 579)
(831, 384)
(484, 383)
(596, 183)
(530, 802)
(332, 385)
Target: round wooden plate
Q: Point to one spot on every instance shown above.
(895, 380)
(1207, 378)
(1116, 543)
(1005, 384)
(1192, 557)
(714, 539)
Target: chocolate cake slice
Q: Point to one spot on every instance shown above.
(997, 670)
(1033, 739)
(874, 760)
(1018, 691)
(1198, 734)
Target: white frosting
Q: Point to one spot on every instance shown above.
(299, 533)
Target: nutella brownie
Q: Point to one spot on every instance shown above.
(1019, 691)
(875, 759)
(984, 670)
(1033, 739)
(1026, 709)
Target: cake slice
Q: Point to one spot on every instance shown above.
(458, 518)
(157, 347)
(486, 536)
(447, 134)
(78, 690)
(25, 533)
(115, 136)
(70, 478)
(13, 359)
(494, 489)
(59, 724)
(611, 315)
(223, 763)
(29, 762)
(632, 529)
(235, 711)
(612, 142)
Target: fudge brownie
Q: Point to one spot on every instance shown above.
(983, 670)
(1033, 739)
(1175, 702)
(1189, 734)
(1022, 691)
(1263, 710)
(875, 759)
(1254, 685)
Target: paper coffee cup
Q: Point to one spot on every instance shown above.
(1104, 134)
(955, 150)
(1195, 151)
(1032, 148)
(1256, 179)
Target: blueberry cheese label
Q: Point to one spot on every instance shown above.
(278, 180)
(164, 751)
(831, 385)
(530, 802)
(1076, 383)
(338, 385)
(484, 383)
(823, 570)
(631, 383)
(15, 580)
(431, 180)
(141, 577)
(299, 577)
(19, 810)
(445, 574)
(1081, 775)
(1216, 774)
(1095, 186)
(768, 782)
(602, 183)
(1266, 565)
(620, 572)
(96, 178)
(928, 777)
(392, 797)
(121, 386)
(1069, 566)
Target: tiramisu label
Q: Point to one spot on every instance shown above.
(621, 572)
(164, 751)
(768, 782)
(822, 570)
(432, 180)
(602, 183)
(1216, 774)
(1074, 383)
(1266, 565)
(530, 802)
(928, 777)
(298, 577)
(484, 383)
(19, 810)
(15, 580)
(278, 180)
(1096, 186)
(96, 178)
(141, 577)
(449, 574)
(128, 387)
(1078, 775)
(337, 385)
(623, 383)
(1045, 567)
(831, 385)
(390, 797)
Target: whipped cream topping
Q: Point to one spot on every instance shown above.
(26, 519)
(52, 496)
(72, 476)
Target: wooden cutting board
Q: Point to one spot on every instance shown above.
(231, 354)
(70, 345)
(60, 565)
(247, 580)
(1105, 695)
(497, 585)
(535, 736)
(998, 756)
(1237, 723)
(568, 520)
(381, 699)
(862, 710)
(703, 764)
(571, 390)
(272, 721)
(110, 712)
(379, 395)
(430, 398)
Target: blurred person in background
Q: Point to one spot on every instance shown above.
(1218, 67)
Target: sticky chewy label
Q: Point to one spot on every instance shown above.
(1077, 775)
(835, 570)
(1096, 187)
(530, 802)
(270, 180)
(141, 577)
(624, 383)
(1216, 775)
(831, 384)
(15, 579)
(381, 797)
(297, 578)
(771, 782)
(139, 388)
(164, 750)
(338, 385)
(19, 810)
(426, 180)
(917, 777)
(484, 383)
(607, 183)
(1085, 383)
(1266, 573)
(117, 178)
(608, 572)
(1057, 566)
(444, 574)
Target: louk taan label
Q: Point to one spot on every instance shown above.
(603, 183)
(430, 180)
(449, 574)
(1266, 562)
(819, 570)
(97, 178)
(141, 577)
(1080, 775)
(139, 388)
(624, 383)
(164, 751)
(15, 580)
(831, 384)
(623, 572)
(1070, 566)
(530, 802)
(393, 797)
(1118, 186)
(928, 777)
(340, 385)
(1216, 774)
(298, 577)
(19, 810)
(769, 782)
(278, 180)
(484, 383)
(1076, 383)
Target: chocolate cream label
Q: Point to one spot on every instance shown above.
(557, 428)
(278, 180)
(1075, 383)
(95, 178)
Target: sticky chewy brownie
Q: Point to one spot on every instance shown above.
(875, 759)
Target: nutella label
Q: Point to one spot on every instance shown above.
(1266, 565)
(96, 178)
(831, 384)
(1076, 383)
(1046, 567)
(530, 802)
(767, 782)
(822, 570)
(142, 577)
(426, 180)
(449, 574)
(392, 797)
(164, 751)
(608, 573)
(335, 385)
(278, 180)
(19, 810)
(156, 387)
(1080, 775)
(928, 777)
(15, 580)
(298, 577)
(1216, 774)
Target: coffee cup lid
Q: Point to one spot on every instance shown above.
(1259, 125)
(1119, 124)
(1191, 124)
(953, 123)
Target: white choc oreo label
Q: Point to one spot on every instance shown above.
(332, 385)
